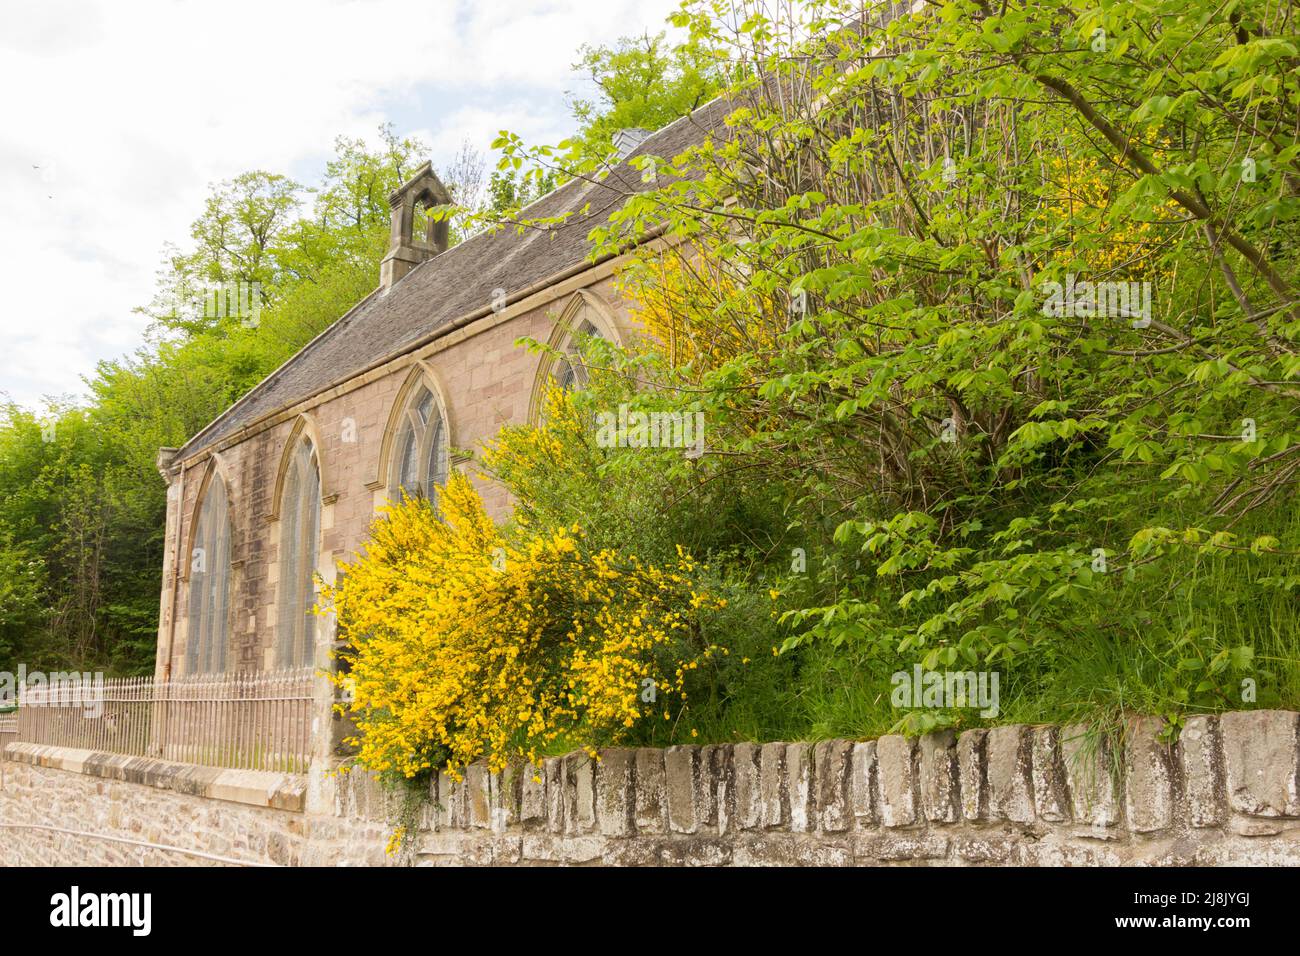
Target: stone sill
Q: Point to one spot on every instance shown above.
(257, 788)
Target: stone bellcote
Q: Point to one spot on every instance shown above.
(405, 249)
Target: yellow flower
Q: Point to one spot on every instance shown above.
(453, 660)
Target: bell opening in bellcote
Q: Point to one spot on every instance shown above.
(406, 249)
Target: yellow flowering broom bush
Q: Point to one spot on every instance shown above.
(466, 642)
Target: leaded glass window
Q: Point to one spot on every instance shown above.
(420, 451)
(299, 547)
(209, 595)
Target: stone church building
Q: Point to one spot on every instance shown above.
(284, 485)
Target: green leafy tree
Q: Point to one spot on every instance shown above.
(235, 240)
(640, 83)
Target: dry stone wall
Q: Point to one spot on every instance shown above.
(1225, 793)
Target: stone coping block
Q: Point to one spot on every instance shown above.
(1149, 772)
(1261, 750)
(1040, 778)
(258, 788)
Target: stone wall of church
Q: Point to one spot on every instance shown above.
(485, 380)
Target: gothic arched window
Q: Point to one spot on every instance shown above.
(568, 371)
(209, 598)
(585, 317)
(299, 549)
(420, 448)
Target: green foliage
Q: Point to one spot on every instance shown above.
(509, 191)
(22, 596)
(1095, 501)
(642, 83)
(656, 497)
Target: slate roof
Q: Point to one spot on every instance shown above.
(456, 284)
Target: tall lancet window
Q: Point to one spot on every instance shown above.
(209, 598)
(299, 548)
(420, 449)
(562, 367)
(569, 372)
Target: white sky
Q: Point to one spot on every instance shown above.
(131, 108)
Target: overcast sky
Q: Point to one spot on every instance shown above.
(116, 115)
